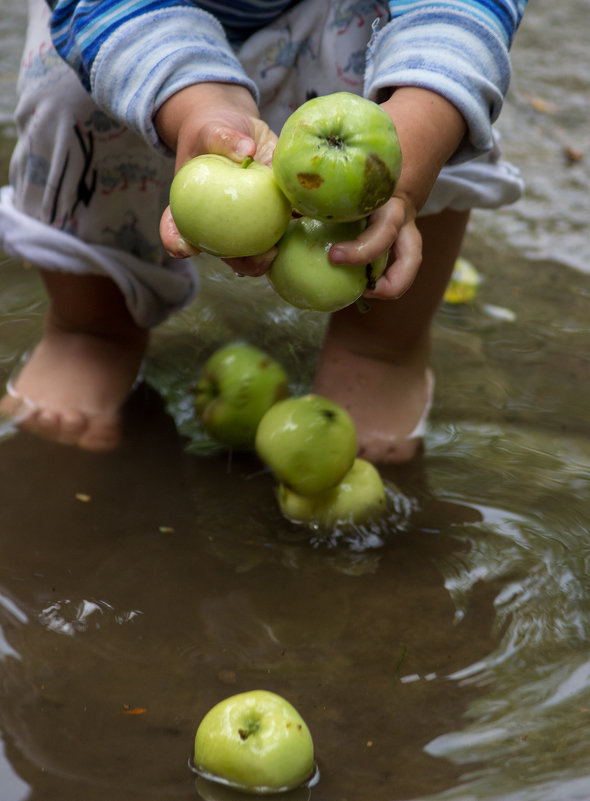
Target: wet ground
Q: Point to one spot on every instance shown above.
(442, 655)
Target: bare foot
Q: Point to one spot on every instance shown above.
(72, 387)
(388, 402)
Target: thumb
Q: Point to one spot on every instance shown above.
(225, 141)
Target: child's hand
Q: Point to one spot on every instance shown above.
(429, 129)
(391, 229)
(213, 118)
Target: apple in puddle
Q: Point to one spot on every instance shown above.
(303, 275)
(358, 498)
(227, 208)
(338, 157)
(309, 443)
(237, 386)
(256, 741)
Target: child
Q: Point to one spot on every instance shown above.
(135, 83)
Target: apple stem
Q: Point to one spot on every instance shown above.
(246, 162)
(362, 305)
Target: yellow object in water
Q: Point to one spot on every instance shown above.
(463, 284)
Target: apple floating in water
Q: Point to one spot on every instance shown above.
(309, 443)
(303, 275)
(237, 386)
(358, 498)
(227, 208)
(255, 741)
(338, 157)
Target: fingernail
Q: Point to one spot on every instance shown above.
(182, 249)
(244, 147)
(337, 256)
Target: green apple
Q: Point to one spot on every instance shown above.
(309, 443)
(256, 741)
(464, 282)
(303, 275)
(238, 384)
(338, 157)
(357, 499)
(227, 208)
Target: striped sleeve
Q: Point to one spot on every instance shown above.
(132, 55)
(457, 48)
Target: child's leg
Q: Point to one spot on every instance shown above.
(375, 363)
(84, 206)
(77, 378)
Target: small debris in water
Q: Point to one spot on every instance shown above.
(133, 710)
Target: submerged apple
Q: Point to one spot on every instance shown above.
(309, 443)
(226, 208)
(238, 385)
(303, 275)
(338, 157)
(256, 741)
(357, 499)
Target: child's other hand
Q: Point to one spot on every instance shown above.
(429, 129)
(213, 118)
(391, 229)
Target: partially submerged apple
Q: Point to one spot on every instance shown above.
(358, 498)
(227, 208)
(237, 386)
(338, 157)
(309, 443)
(255, 741)
(303, 275)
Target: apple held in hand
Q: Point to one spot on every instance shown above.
(226, 208)
(239, 383)
(357, 499)
(338, 157)
(303, 275)
(309, 443)
(256, 741)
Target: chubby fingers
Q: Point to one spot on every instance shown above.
(233, 142)
(218, 138)
(252, 266)
(405, 262)
(175, 245)
(377, 238)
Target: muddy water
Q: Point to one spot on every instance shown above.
(441, 656)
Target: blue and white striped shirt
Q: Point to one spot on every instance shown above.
(134, 54)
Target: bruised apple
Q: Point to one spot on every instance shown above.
(303, 275)
(227, 208)
(309, 443)
(255, 741)
(237, 386)
(338, 157)
(358, 498)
